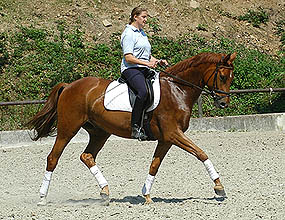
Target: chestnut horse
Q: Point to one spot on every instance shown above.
(79, 104)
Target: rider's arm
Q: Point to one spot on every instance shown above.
(131, 59)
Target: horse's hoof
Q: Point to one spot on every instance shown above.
(105, 199)
(42, 202)
(148, 200)
(220, 191)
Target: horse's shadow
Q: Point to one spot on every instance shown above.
(84, 202)
(136, 200)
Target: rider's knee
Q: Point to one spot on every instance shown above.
(142, 95)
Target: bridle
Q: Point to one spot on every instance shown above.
(213, 92)
(215, 89)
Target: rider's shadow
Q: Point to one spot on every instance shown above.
(135, 200)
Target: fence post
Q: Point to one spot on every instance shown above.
(200, 110)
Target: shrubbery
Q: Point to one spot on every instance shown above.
(255, 17)
(33, 60)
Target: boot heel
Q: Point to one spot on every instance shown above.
(138, 133)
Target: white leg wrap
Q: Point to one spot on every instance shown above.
(99, 176)
(148, 184)
(45, 184)
(211, 170)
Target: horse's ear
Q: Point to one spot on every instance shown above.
(229, 58)
(225, 60)
(232, 58)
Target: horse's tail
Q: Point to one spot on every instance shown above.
(44, 122)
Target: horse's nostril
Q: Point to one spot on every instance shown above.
(223, 105)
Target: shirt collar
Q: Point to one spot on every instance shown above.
(133, 28)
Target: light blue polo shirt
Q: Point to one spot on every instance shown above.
(134, 41)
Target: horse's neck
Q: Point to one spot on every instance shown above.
(193, 75)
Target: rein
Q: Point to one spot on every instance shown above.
(212, 92)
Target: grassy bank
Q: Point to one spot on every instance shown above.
(33, 60)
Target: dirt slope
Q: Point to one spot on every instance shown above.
(173, 17)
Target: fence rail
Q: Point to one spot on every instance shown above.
(258, 90)
(200, 112)
(270, 90)
(23, 102)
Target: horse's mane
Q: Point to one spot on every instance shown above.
(195, 61)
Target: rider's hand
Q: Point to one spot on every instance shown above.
(152, 63)
(163, 62)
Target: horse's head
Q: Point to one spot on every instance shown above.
(218, 78)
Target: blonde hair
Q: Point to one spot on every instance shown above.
(136, 12)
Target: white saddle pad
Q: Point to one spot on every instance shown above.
(117, 96)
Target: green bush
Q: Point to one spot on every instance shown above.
(39, 60)
(154, 24)
(34, 60)
(279, 31)
(255, 17)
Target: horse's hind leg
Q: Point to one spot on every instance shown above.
(98, 137)
(65, 132)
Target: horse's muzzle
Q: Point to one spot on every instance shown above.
(221, 102)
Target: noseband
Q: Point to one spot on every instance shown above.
(214, 90)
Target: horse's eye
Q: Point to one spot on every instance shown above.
(223, 78)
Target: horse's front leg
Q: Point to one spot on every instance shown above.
(180, 140)
(161, 150)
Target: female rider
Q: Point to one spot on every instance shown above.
(137, 60)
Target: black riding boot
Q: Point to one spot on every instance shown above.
(136, 121)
